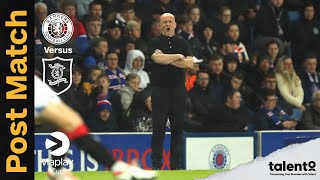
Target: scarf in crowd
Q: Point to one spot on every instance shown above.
(240, 53)
(277, 115)
(117, 80)
(313, 78)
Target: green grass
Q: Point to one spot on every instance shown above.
(163, 175)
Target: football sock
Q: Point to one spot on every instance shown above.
(85, 142)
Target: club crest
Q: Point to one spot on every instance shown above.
(219, 157)
(57, 73)
(57, 28)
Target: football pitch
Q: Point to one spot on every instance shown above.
(163, 175)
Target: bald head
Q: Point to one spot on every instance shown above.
(166, 15)
(168, 24)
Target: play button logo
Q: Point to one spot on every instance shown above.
(58, 143)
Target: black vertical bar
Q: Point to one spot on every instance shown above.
(7, 135)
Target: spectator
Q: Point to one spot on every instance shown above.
(212, 7)
(309, 78)
(140, 111)
(183, 5)
(93, 27)
(222, 22)
(217, 77)
(187, 33)
(129, 44)
(166, 6)
(256, 77)
(201, 100)
(306, 34)
(69, 7)
(116, 75)
(133, 32)
(311, 117)
(209, 45)
(40, 13)
(83, 6)
(272, 21)
(91, 81)
(271, 117)
(38, 40)
(272, 49)
(114, 36)
(226, 48)
(191, 76)
(240, 50)
(127, 92)
(99, 47)
(134, 64)
(103, 120)
(270, 83)
(240, 8)
(95, 11)
(76, 96)
(122, 101)
(236, 82)
(248, 33)
(161, 6)
(154, 30)
(126, 13)
(109, 9)
(198, 19)
(230, 65)
(101, 92)
(138, 6)
(229, 117)
(289, 85)
(253, 59)
(52, 6)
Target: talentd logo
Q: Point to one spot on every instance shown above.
(219, 157)
(293, 169)
(58, 144)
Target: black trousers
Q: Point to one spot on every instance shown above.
(167, 103)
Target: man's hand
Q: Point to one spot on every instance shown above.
(245, 128)
(189, 60)
(287, 124)
(293, 124)
(302, 108)
(181, 57)
(186, 63)
(158, 51)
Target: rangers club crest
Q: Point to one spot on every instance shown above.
(219, 157)
(57, 73)
(57, 28)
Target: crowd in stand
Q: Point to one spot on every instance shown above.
(259, 69)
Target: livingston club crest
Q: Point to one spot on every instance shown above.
(57, 28)
(57, 73)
